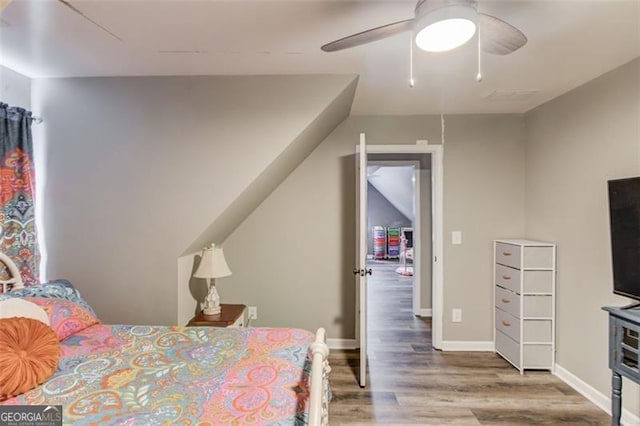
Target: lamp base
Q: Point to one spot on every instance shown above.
(212, 311)
(212, 302)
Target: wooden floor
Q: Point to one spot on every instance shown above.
(410, 383)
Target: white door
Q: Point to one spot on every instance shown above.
(360, 271)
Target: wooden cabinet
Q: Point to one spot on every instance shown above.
(524, 295)
(229, 316)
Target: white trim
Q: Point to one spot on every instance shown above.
(601, 400)
(362, 256)
(437, 216)
(425, 312)
(342, 343)
(417, 237)
(402, 149)
(481, 346)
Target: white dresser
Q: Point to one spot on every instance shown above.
(524, 294)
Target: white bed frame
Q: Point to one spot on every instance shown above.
(15, 281)
(319, 381)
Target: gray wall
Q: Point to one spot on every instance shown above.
(15, 88)
(300, 241)
(575, 144)
(137, 168)
(381, 213)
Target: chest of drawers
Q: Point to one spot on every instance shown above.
(524, 295)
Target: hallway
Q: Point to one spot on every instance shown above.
(410, 383)
(391, 322)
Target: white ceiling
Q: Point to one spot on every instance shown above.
(570, 43)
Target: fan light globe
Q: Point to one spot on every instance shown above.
(445, 35)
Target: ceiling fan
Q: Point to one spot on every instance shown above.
(442, 25)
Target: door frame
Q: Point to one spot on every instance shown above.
(437, 218)
(416, 223)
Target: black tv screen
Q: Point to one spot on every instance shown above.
(624, 215)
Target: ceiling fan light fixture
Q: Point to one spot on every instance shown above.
(446, 28)
(445, 35)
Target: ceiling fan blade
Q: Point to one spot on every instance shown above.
(368, 36)
(499, 37)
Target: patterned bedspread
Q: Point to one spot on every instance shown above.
(126, 375)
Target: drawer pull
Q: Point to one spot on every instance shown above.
(506, 323)
(506, 300)
(506, 253)
(506, 277)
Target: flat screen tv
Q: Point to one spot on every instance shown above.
(624, 216)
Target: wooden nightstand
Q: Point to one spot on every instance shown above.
(229, 316)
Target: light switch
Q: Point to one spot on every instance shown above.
(456, 237)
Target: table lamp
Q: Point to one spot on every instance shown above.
(212, 266)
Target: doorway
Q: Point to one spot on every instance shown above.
(394, 230)
(430, 158)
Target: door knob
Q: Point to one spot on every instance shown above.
(369, 272)
(356, 271)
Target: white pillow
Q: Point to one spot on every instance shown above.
(22, 308)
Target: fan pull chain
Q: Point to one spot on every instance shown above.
(411, 80)
(479, 75)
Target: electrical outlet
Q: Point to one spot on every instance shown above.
(253, 312)
(456, 315)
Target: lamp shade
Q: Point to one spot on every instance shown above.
(212, 264)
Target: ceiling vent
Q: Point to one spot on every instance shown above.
(511, 94)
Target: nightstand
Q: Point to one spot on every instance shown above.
(229, 316)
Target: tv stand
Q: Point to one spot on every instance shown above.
(631, 306)
(624, 352)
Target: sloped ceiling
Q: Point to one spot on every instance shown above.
(269, 179)
(395, 183)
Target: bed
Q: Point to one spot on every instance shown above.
(131, 374)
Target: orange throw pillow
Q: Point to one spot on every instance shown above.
(29, 355)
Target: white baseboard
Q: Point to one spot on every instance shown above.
(341, 343)
(601, 400)
(425, 312)
(451, 345)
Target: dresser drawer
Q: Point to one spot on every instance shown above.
(240, 322)
(538, 306)
(508, 348)
(536, 331)
(537, 356)
(508, 324)
(508, 301)
(534, 257)
(508, 254)
(538, 257)
(538, 282)
(508, 278)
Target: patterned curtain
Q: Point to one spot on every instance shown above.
(18, 238)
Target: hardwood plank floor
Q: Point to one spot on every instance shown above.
(410, 383)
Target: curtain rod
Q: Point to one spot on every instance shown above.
(37, 119)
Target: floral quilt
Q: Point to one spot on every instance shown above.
(126, 375)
